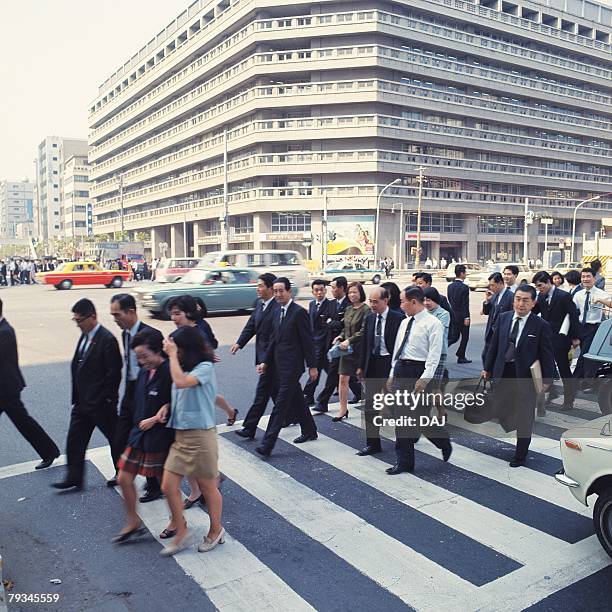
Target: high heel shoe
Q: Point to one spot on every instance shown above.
(339, 418)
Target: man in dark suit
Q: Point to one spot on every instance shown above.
(318, 314)
(11, 385)
(123, 310)
(557, 307)
(335, 325)
(260, 325)
(498, 299)
(379, 332)
(291, 345)
(519, 339)
(96, 375)
(459, 300)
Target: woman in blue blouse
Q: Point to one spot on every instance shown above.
(195, 451)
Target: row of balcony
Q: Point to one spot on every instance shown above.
(300, 25)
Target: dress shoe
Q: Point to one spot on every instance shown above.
(189, 503)
(305, 438)
(45, 463)
(261, 450)
(68, 484)
(172, 549)
(320, 407)
(128, 535)
(245, 433)
(369, 450)
(517, 462)
(310, 401)
(336, 419)
(447, 451)
(398, 468)
(208, 544)
(112, 482)
(150, 496)
(463, 360)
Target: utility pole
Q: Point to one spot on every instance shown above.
(525, 228)
(225, 217)
(120, 183)
(417, 255)
(324, 232)
(402, 239)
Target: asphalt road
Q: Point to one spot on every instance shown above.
(312, 528)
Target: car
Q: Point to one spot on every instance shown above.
(600, 352)
(586, 452)
(221, 289)
(352, 272)
(565, 267)
(172, 269)
(79, 273)
(450, 270)
(480, 279)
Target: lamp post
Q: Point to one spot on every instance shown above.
(593, 199)
(402, 233)
(395, 182)
(417, 253)
(324, 232)
(224, 219)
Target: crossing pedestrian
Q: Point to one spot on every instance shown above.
(498, 299)
(459, 300)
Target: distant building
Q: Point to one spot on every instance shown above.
(16, 206)
(74, 195)
(48, 202)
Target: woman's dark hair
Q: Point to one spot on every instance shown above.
(150, 338)
(596, 265)
(394, 294)
(556, 273)
(362, 295)
(192, 346)
(572, 277)
(186, 304)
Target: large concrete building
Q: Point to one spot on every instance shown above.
(48, 214)
(74, 195)
(274, 109)
(16, 206)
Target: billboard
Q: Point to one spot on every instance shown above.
(350, 235)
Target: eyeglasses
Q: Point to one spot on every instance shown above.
(77, 320)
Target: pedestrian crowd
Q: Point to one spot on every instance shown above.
(21, 271)
(164, 425)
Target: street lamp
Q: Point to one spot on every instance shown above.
(397, 181)
(598, 197)
(417, 254)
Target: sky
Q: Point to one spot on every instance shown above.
(55, 54)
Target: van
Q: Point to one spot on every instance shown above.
(280, 263)
(171, 269)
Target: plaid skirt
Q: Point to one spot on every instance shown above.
(136, 461)
(439, 373)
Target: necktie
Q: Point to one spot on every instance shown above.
(405, 339)
(585, 310)
(126, 353)
(378, 336)
(282, 317)
(82, 345)
(511, 348)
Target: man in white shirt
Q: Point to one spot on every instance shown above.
(510, 275)
(590, 301)
(416, 354)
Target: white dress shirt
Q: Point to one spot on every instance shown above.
(595, 311)
(424, 343)
(513, 288)
(522, 320)
(88, 339)
(130, 354)
(383, 347)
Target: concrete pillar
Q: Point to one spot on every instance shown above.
(159, 235)
(316, 228)
(198, 232)
(257, 229)
(177, 246)
(532, 241)
(471, 229)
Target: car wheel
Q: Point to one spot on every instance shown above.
(604, 396)
(117, 282)
(472, 288)
(602, 519)
(65, 284)
(376, 279)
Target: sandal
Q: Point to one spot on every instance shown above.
(128, 535)
(166, 534)
(232, 420)
(188, 503)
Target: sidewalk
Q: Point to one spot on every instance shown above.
(3, 607)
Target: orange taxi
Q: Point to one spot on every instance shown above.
(82, 273)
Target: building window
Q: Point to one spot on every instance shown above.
(80, 224)
(80, 209)
(559, 227)
(500, 225)
(291, 222)
(81, 194)
(242, 224)
(435, 222)
(212, 227)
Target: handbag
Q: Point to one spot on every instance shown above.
(484, 411)
(335, 352)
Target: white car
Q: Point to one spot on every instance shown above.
(480, 280)
(586, 452)
(470, 269)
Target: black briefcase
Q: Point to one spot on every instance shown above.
(485, 410)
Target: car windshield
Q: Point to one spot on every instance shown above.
(194, 277)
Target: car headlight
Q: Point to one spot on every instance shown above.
(147, 296)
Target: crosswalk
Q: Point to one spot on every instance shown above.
(317, 528)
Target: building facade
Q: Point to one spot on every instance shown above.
(16, 206)
(255, 117)
(48, 216)
(74, 195)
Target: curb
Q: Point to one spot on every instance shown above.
(3, 607)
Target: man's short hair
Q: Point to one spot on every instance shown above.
(341, 282)
(318, 281)
(125, 300)
(542, 277)
(414, 293)
(460, 269)
(514, 269)
(587, 271)
(285, 281)
(84, 308)
(572, 277)
(525, 288)
(384, 292)
(496, 277)
(268, 278)
(427, 277)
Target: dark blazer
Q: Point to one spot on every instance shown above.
(561, 305)
(459, 298)
(535, 343)
(96, 378)
(318, 325)
(149, 396)
(394, 320)
(494, 310)
(11, 380)
(291, 344)
(335, 321)
(260, 326)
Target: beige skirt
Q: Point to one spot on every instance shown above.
(195, 452)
